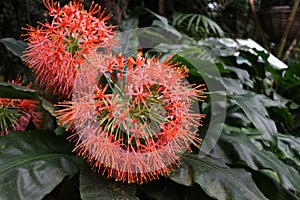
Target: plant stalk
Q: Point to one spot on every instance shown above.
(260, 31)
(288, 27)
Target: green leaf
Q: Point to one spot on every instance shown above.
(233, 86)
(166, 189)
(164, 23)
(47, 105)
(257, 113)
(270, 187)
(9, 90)
(196, 20)
(243, 75)
(236, 146)
(216, 179)
(33, 163)
(95, 186)
(15, 46)
(235, 116)
(289, 147)
(128, 36)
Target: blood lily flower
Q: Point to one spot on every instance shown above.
(134, 122)
(56, 49)
(16, 114)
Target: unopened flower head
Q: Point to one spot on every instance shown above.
(134, 122)
(16, 114)
(57, 49)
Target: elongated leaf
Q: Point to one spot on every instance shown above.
(164, 23)
(15, 46)
(289, 147)
(269, 185)
(243, 75)
(216, 179)
(95, 186)
(128, 37)
(9, 90)
(237, 147)
(33, 163)
(258, 115)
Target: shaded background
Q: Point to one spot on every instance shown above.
(233, 16)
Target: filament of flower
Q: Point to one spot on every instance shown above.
(8, 116)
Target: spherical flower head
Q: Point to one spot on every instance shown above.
(134, 122)
(56, 49)
(16, 114)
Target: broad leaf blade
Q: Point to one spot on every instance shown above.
(15, 46)
(289, 148)
(95, 186)
(9, 90)
(240, 148)
(216, 179)
(128, 37)
(256, 112)
(33, 163)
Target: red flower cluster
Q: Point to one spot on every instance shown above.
(133, 122)
(57, 49)
(16, 114)
(136, 120)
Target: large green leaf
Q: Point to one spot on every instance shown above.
(243, 75)
(269, 185)
(166, 189)
(216, 179)
(257, 113)
(9, 90)
(95, 186)
(237, 147)
(289, 148)
(33, 163)
(164, 23)
(15, 46)
(128, 36)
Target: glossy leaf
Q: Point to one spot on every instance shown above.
(243, 75)
(33, 163)
(96, 186)
(164, 23)
(269, 185)
(9, 90)
(237, 147)
(289, 148)
(15, 46)
(256, 112)
(216, 179)
(128, 36)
